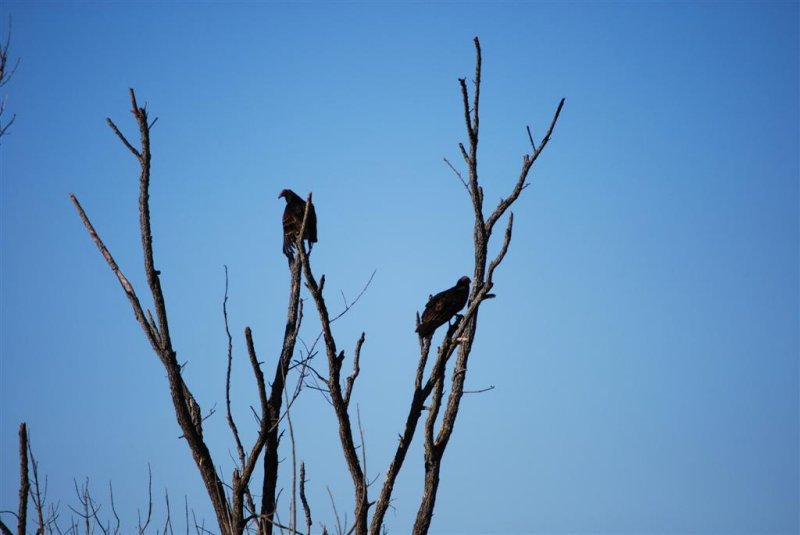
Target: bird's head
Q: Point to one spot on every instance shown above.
(463, 281)
(287, 194)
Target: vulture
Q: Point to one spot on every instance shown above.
(443, 306)
(293, 220)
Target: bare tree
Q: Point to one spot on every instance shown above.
(459, 339)
(234, 510)
(235, 504)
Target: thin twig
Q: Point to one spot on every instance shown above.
(503, 249)
(335, 512)
(530, 138)
(363, 443)
(231, 422)
(527, 163)
(168, 522)
(354, 301)
(142, 528)
(461, 178)
(480, 391)
(113, 508)
(36, 494)
(123, 138)
(293, 507)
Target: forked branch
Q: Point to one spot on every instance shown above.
(187, 410)
(338, 399)
(435, 444)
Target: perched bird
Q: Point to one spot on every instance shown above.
(443, 306)
(293, 220)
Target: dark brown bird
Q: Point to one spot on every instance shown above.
(293, 220)
(443, 306)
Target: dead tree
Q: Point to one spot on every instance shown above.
(236, 509)
(234, 505)
(428, 392)
(483, 283)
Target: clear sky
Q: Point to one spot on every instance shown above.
(644, 339)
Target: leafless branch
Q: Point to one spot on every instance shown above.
(187, 410)
(36, 495)
(363, 442)
(262, 391)
(429, 392)
(89, 509)
(142, 528)
(530, 138)
(351, 379)
(335, 360)
(231, 423)
(274, 403)
(458, 174)
(527, 163)
(503, 249)
(168, 521)
(339, 530)
(123, 138)
(303, 499)
(150, 332)
(479, 391)
(114, 508)
(24, 483)
(463, 335)
(352, 303)
(422, 390)
(293, 506)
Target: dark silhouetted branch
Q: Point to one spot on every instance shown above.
(464, 334)
(351, 379)
(527, 162)
(231, 423)
(143, 527)
(38, 496)
(335, 360)
(303, 499)
(149, 330)
(273, 404)
(24, 482)
(187, 410)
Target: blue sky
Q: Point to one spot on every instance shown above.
(644, 341)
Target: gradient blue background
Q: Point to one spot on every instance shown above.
(644, 341)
